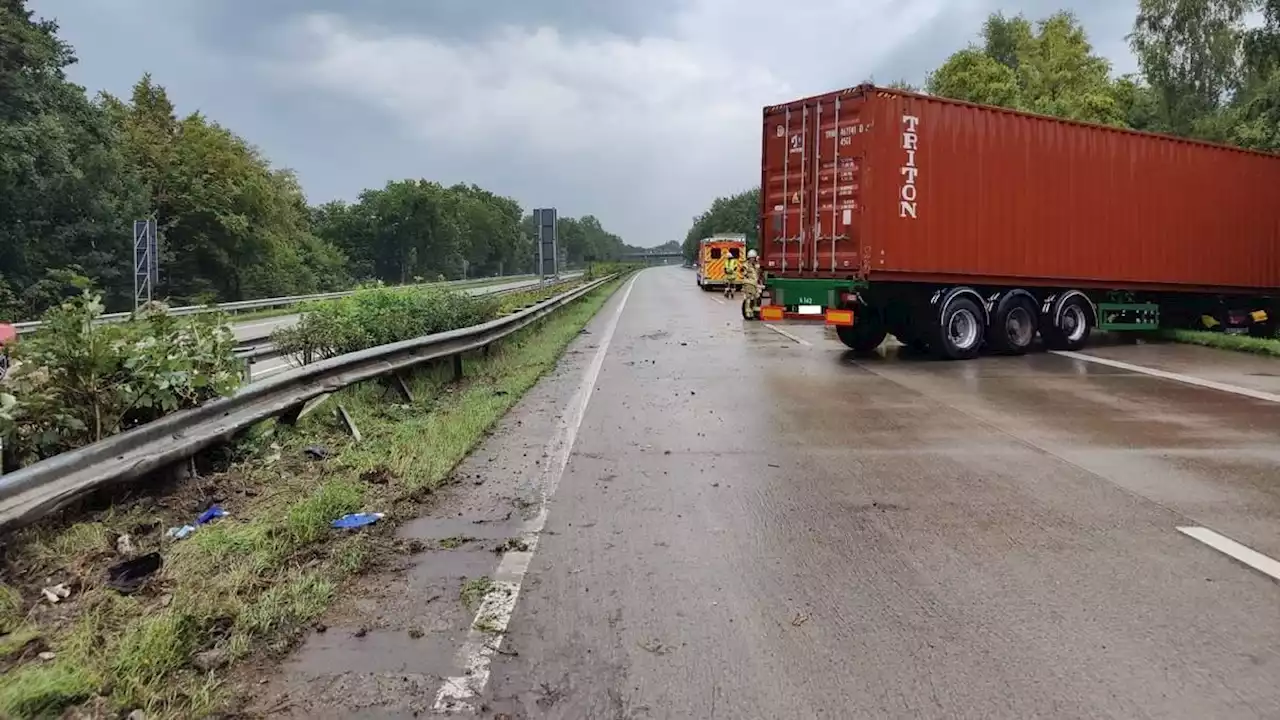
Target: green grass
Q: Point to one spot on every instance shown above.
(10, 609)
(473, 592)
(1238, 343)
(291, 309)
(251, 583)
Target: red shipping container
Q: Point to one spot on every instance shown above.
(877, 184)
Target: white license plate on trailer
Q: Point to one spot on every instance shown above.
(809, 309)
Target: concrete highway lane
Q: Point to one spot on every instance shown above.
(750, 525)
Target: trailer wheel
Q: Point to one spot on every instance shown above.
(1070, 329)
(864, 335)
(1013, 325)
(959, 330)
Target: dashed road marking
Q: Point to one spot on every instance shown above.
(1227, 546)
(722, 302)
(1177, 377)
(787, 335)
(262, 372)
(484, 638)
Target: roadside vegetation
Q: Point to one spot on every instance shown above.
(77, 382)
(1224, 341)
(247, 316)
(242, 587)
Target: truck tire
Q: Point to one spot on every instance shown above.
(1069, 328)
(864, 336)
(1013, 325)
(958, 333)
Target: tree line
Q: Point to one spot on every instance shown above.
(76, 172)
(1203, 73)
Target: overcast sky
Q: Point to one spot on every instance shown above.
(637, 111)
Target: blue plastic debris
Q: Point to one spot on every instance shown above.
(214, 512)
(177, 533)
(355, 520)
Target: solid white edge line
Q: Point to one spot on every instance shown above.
(787, 335)
(488, 629)
(1227, 546)
(1176, 377)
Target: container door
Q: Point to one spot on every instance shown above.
(835, 184)
(812, 186)
(785, 198)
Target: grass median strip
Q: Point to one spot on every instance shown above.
(251, 582)
(249, 315)
(1238, 343)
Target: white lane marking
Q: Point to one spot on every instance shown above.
(277, 320)
(786, 334)
(722, 302)
(1177, 377)
(260, 372)
(1226, 545)
(490, 624)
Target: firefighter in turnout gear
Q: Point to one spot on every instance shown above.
(751, 286)
(731, 266)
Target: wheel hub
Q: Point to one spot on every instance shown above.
(963, 329)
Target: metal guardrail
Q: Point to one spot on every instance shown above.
(30, 493)
(250, 305)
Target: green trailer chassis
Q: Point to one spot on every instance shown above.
(790, 292)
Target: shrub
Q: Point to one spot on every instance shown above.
(378, 316)
(75, 382)
(601, 269)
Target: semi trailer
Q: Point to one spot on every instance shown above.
(957, 227)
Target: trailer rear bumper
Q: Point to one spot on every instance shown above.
(814, 299)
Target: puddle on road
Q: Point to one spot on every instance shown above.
(428, 528)
(378, 652)
(441, 564)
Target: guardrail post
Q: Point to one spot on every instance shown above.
(401, 387)
(345, 418)
(457, 367)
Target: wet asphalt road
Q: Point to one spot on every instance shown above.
(751, 527)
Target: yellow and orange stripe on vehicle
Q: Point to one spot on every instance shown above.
(713, 269)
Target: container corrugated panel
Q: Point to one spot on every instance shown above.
(881, 184)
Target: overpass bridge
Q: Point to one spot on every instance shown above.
(656, 257)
